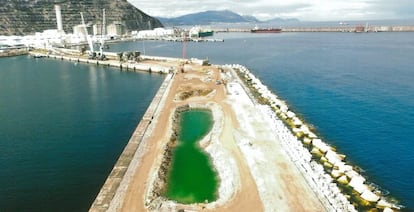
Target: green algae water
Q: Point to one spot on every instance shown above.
(192, 178)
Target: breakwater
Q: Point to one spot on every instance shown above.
(112, 193)
(331, 29)
(129, 66)
(262, 95)
(11, 52)
(338, 184)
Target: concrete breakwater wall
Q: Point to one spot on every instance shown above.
(152, 64)
(112, 193)
(129, 66)
(339, 185)
(347, 28)
(351, 29)
(13, 52)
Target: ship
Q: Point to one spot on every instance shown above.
(198, 32)
(205, 33)
(265, 30)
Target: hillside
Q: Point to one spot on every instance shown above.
(218, 16)
(19, 17)
(207, 17)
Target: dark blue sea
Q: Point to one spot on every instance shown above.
(62, 126)
(356, 89)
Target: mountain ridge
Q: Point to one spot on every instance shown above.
(21, 17)
(216, 16)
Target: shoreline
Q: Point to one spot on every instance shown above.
(113, 191)
(332, 172)
(240, 187)
(274, 157)
(348, 28)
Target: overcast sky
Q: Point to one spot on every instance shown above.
(305, 10)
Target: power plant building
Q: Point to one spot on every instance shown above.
(116, 29)
(80, 30)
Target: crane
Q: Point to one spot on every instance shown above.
(91, 51)
(101, 55)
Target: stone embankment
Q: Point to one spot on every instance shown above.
(347, 28)
(152, 64)
(13, 52)
(337, 184)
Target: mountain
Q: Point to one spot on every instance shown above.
(282, 20)
(207, 17)
(250, 18)
(19, 17)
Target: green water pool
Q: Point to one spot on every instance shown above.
(192, 178)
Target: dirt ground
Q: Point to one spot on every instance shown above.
(269, 181)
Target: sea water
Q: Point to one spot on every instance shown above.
(191, 178)
(355, 89)
(62, 127)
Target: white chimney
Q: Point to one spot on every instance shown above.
(58, 17)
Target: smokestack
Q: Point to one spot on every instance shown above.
(58, 17)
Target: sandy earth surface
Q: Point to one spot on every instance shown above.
(263, 178)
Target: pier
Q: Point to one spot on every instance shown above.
(264, 154)
(160, 65)
(112, 192)
(11, 52)
(347, 28)
(139, 187)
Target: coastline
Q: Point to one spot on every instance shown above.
(241, 187)
(336, 182)
(275, 158)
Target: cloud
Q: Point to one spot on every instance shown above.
(315, 10)
(395, 9)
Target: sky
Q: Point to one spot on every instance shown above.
(304, 10)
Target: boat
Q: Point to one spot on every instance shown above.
(265, 30)
(198, 32)
(205, 33)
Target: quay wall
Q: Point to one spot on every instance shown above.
(111, 195)
(351, 29)
(122, 65)
(13, 52)
(329, 29)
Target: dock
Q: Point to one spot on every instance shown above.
(11, 52)
(347, 28)
(136, 181)
(147, 64)
(112, 192)
(255, 138)
(144, 63)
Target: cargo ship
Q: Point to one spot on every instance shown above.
(205, 33)
(198, 32)
(265, 30)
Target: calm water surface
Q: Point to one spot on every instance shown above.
(192, 178)
(62, 128)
